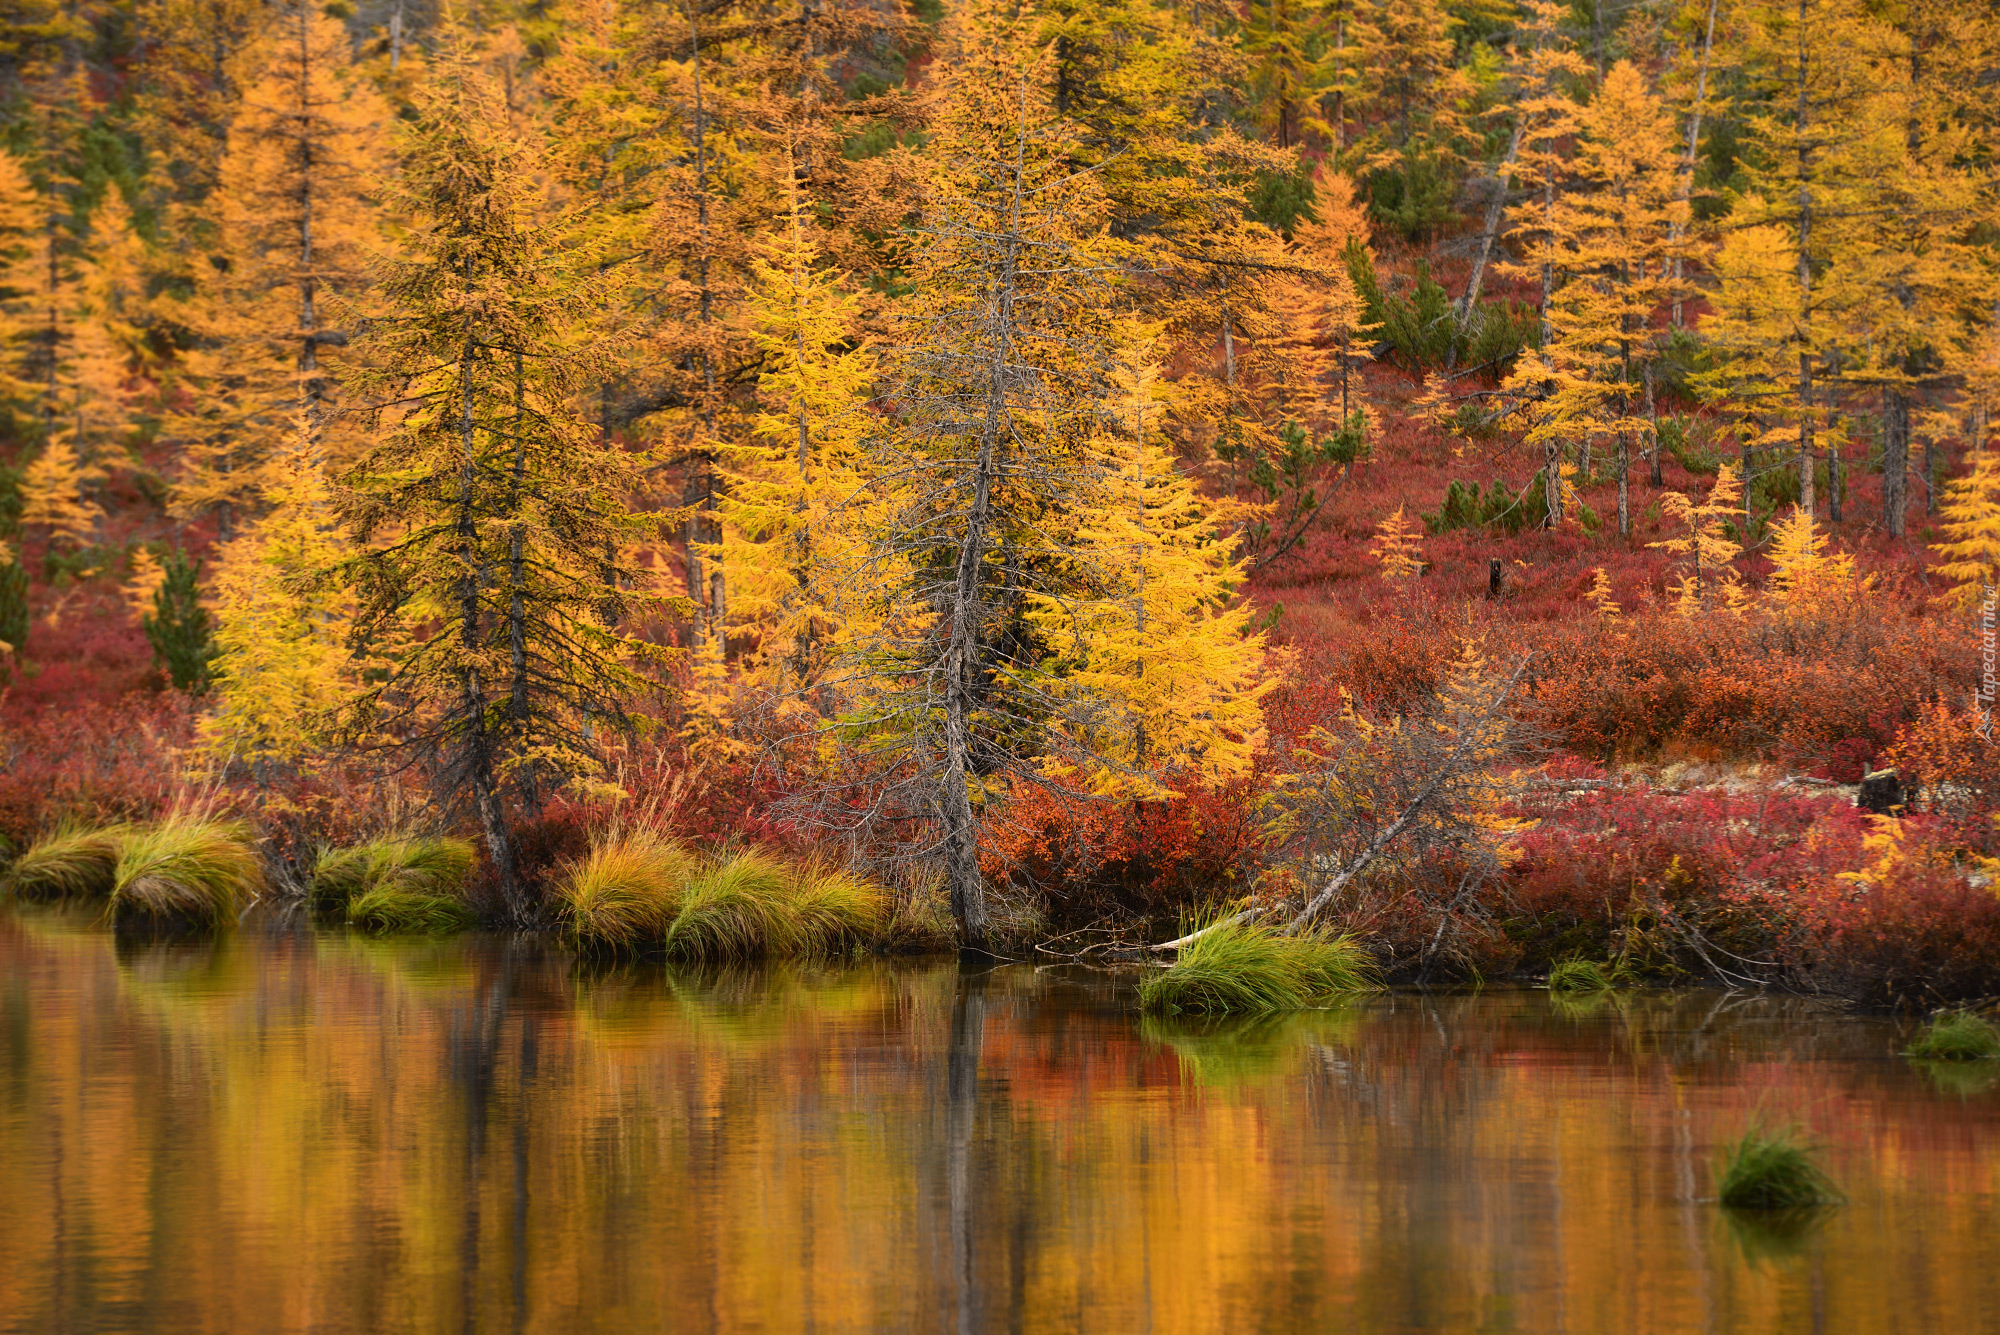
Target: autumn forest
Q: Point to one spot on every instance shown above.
(1401, 490)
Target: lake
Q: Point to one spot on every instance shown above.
(288, 1130)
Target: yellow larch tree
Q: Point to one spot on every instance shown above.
(1805, 576)
(1602, 600)
(1411, 86)
(20, 274)
(1971, 528)
(1704, 544)
(1544, 67)
(55, 498)
(1398, 546)
(1929, 285)
(295, 217)
(283, 665)
(1625, 225)
(1170, 653)
(792, 493)
(1827, 131)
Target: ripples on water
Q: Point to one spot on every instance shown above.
(286, 1131)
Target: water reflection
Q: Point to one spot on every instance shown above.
(289, 1131)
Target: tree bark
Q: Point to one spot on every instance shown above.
(1895, 461)
(1503, 178)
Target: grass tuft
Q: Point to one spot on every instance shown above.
(1579, 976)
(732, 910)
(72, 862)
(186, 868)
(1957, 1036)
(1249, 969)
(412, 864)
(831, 905)
(1773, 1170)
(640, 890)
(394, 908)
(624, 893)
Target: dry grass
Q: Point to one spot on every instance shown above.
(71, 862)
(186, 868)
(624, 893)
(639, 889)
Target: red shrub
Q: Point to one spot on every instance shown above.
(1096, 859)
(93, 762)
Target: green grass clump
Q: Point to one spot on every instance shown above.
(186, 868)
(1957, 1036)
(72, 862)
(734, 909)
(393, 908)
(622, 896)
(1249, 969)
(1773, 1170)
(1577, 976)
(412, 864)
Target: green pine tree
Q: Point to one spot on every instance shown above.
(179, 628)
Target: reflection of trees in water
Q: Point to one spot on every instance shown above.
(483, 1134)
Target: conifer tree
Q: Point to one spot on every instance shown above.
(483, 514)
(1704, 545)
(179, 626)
(1165, 657)
(1823, 137)
(1398, 545)
(1411, 85)
(294, 210)
(1544, 67)
(794, 493)
(1971, 527)
(1928, 283)
(282, 665)
(55, 500)
(1623, 226)
(990, 457)
(1805, 576)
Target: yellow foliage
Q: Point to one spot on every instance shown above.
(1600, 596)
(147, 576)
(1704, 545)
(1807, 577)
(1170, 647)
(1971, 514)
(1398, 546)
(52, 495)
(283, 665)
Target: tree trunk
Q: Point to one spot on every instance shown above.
(1687, 185)
(968, 1035)
(1655, 476)
(1895, 461)
(1552, 486)
(1502, 178)
(1624, 486)
(478, 753)
(1806, 497)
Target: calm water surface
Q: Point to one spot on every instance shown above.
(294, 1132)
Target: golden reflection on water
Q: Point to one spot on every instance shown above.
(296, 1132)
